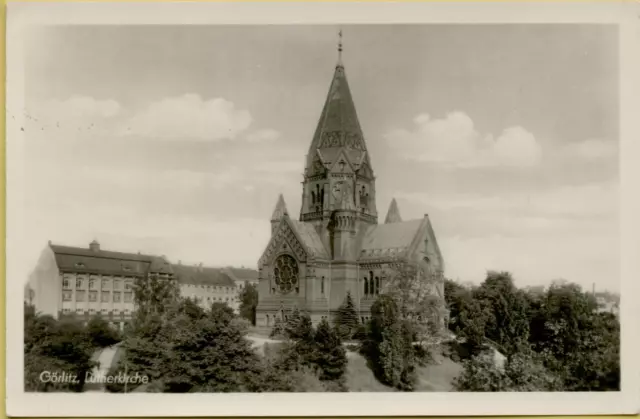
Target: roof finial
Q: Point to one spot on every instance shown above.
(340, 47)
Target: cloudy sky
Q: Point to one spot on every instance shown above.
(177, 140)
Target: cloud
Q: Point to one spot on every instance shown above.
(189, 117)
(591, 150)
(263, 135)
(596, 199)
(453, 140)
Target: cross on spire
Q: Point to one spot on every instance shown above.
(340, 47)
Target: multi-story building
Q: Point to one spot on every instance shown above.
(242, 277)
(90, 281)
(206, 285)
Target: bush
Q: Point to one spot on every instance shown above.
(522, 372)
(278, 331)
(101, 334)
(56, 346)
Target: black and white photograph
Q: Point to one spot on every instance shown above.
(342, 209)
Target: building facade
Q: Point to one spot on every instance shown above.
(90, 281)
(337, 245)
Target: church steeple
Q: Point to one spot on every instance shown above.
(338, 127)
(393, 215)
(338, 192)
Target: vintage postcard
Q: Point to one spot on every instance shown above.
(322, 209)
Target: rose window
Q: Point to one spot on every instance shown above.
(285, 272)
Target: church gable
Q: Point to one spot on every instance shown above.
(294, 237)
(342, 164)
(425, 246)
(284, 240)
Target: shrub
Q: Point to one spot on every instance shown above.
(101, 334)
(346, 320)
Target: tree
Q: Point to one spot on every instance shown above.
(154, 295)
(522, 372)
(55, 346)
(194, 350)
(249, 302)
(579, 344)
(389, 346)
(209, 354)
(507, 323)
(346, 320)
(415, 290)
(329, 357)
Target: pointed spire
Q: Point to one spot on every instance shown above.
(393, 216)
(338, 126)
(280, 210)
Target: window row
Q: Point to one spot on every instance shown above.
(105, 296)
(93, 284)
(217, 288)
(213, 299)
(93, 311)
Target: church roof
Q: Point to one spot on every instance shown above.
(388, 240)
(393, 215)
(310, 238)
(338, 127)
(280, 209)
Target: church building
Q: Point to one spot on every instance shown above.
(337, 245)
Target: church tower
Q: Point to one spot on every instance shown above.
(337, 248)
(338, 190)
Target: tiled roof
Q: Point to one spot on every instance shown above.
(310, 238)
(82, 260)
(389, 240)
(243, 274)
(202, 275)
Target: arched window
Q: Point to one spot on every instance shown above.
(322, 197)
(366, 286)
(322, 285)
(317, 190)
(377, 285)
(372, 290)
(268, 321)
(313, 197)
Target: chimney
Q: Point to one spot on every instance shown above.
(94, 246)
(593, 288)
(49, 242)
(200, 267)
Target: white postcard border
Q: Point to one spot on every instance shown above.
(624, 14)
